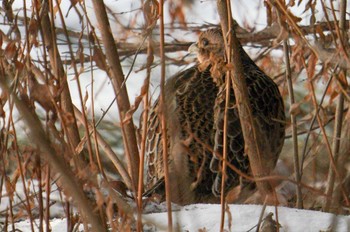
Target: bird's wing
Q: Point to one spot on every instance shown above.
(268, 112)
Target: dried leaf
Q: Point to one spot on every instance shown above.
(7, 7)
(319, 31)
(92, 38)
(268, 13)
(296, 19)
(138, 100)
(81, 145)
(99, 59)
(81, 55)
(2, 111)
(11, 50)
(332, 96)
(10, 188)
(120, 187)
(33, 27)
(41, 94)
(291, 3)
(86, 98)
(19, 65)
(312, 65)
(342, 79)
(294, 109)
(151, 11)
(234, 194)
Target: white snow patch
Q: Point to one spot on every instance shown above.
(245, 218)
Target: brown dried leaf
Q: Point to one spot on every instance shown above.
(33, 27)
(342, 79)
(319, 31)
(151, 11)
(176, 12)
(92, 38)
(291, 3)
(11, 50)
(138, 100)
(41, 94)
(120, 187)
(234, 194)
(86, 98)
(332, 96)
(81, 145)
(268, 13)
(81, 55)
(294, 109)
(2, 111)
(10, 188)
(296, 19)
(312, 65)
(99, 59)
(7, 7)
(19, 65)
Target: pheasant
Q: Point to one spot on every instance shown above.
(194, 109)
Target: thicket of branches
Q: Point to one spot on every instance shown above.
(57, 146)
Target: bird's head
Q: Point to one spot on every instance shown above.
(210, 46)
(210, 50)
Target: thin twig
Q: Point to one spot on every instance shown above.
(338, 113)
(288, 74)
(162, 118)
(227, 104)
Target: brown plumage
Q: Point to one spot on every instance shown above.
(194, 107)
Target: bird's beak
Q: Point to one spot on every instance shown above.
(193, 48)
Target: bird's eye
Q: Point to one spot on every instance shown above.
(205, 42)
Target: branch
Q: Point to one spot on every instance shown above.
(252, 136)
(117, 78)
(49, 40)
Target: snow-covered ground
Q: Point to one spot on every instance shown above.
(206, 217)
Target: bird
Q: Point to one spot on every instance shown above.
(194, 110)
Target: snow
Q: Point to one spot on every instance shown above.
(246, 217)
(56, 225)
(206, 217)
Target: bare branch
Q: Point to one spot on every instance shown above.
(117, 77)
